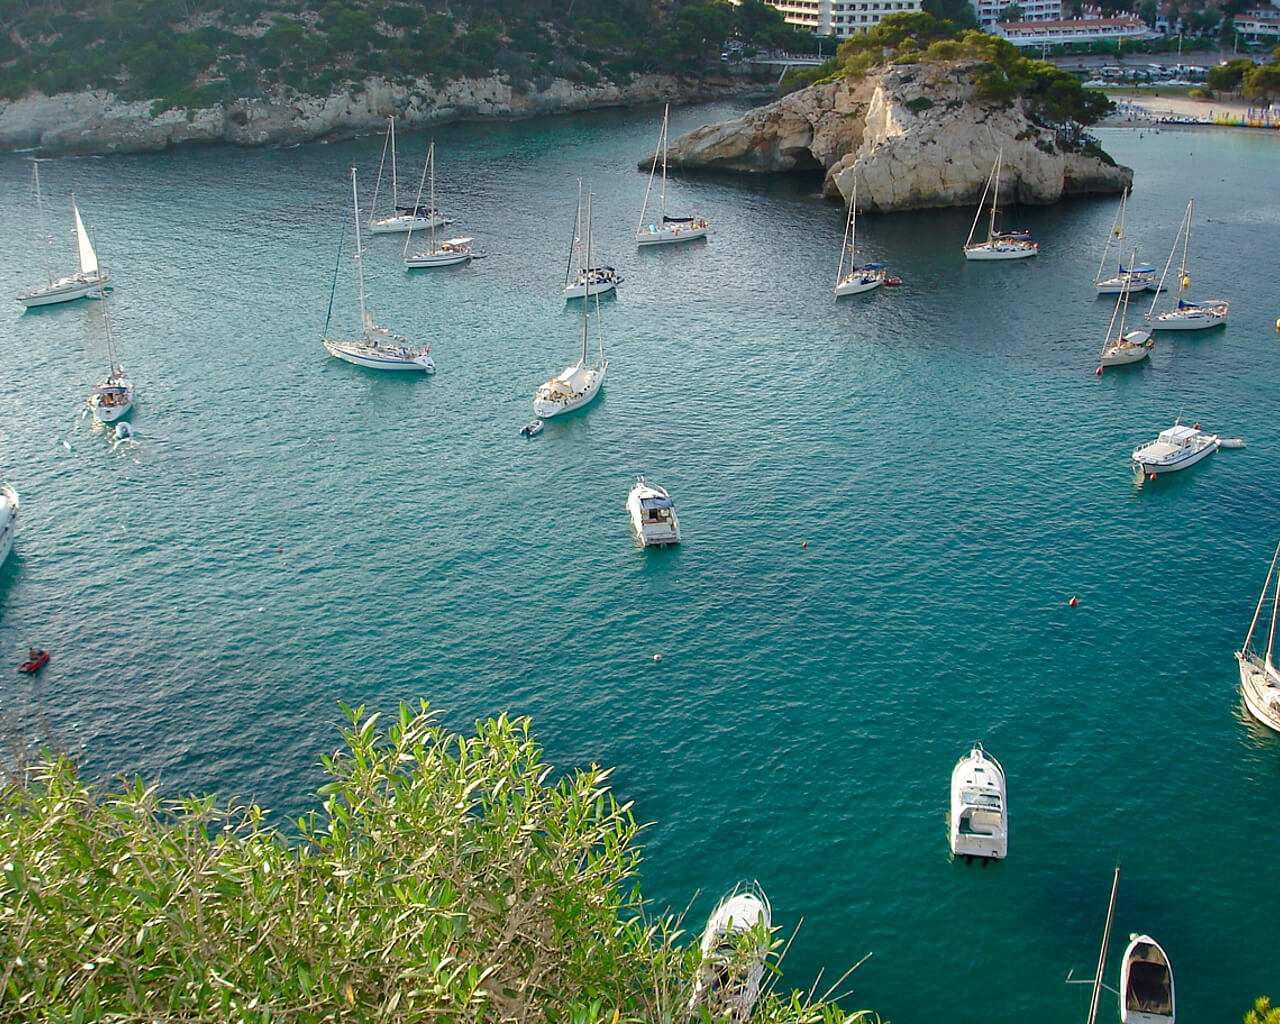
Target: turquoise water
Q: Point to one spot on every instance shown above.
(887, 504)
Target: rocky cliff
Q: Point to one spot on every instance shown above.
(98, 122)
(916, 136)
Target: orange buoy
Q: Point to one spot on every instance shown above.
(1098, 372)
(804, 544)
(1072, 602)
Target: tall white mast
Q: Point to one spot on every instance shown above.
(44, 234)
(995, 197)
(666, 110)
(355, 203)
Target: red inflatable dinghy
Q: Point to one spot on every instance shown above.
(35, 662)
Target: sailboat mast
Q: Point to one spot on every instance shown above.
(995, 197)
(1257, 612)
(44, 234)
(395, 198)
(575, 247)
(1102, 953)
(355, 204)
(848, 224)
(431, 195)
(666, 111)
(1186, 244)
(586, 295)
(1271, 639)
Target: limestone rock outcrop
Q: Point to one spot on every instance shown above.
(98, 122)
(915, 135)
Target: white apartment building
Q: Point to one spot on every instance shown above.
(1032, 10)
(841, 18)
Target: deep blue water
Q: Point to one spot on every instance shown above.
(887, 504)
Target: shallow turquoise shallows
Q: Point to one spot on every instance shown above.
(887, 505)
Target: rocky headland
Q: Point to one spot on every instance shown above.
(98, 122)
(916, 136)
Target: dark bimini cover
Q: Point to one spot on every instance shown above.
(656, 501)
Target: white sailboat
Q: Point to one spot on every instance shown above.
(1259, 677)
(402, 218)
(581, 280)
(734, 946)
(1185, 314)
(1146, 983)
(666, 230)
(1007, 245)
(578, 384)
(1096, 981)
(448, 253)
(1121, 347)
(859, 278)
(8, 518)
(1135, 277)
(113, 398)
(87, 282)
(377, 348)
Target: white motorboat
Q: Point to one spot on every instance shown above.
(1122, 347)
(1135, 277)
(578, 384)
(87, 282)
(581, 280)
(8, 518)
(1146, 983)
(113, 397)
(1186, 315)
(979, 806)
(653, 514)
(1176, 448)
(1259, 677)
(448, 253)
(859, 278)
(735, 946)
(666, 230)
(1000, 245)
(402, 218)
(377, 347)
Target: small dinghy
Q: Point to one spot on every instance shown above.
(36, 660)
(532, 429)
(1146, 983)
(735, 945)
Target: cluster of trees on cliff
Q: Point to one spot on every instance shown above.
(442, 877)
(1053, 98)
(200, 52)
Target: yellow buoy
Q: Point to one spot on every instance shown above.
(1186, 281)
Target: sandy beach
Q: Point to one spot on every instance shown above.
(1153, 107)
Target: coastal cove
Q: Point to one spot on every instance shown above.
(886, 505)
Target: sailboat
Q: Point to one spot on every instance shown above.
(1135, 277)
(1186, 315)
(8, 518)
(859, 278)
(578, 384)
(666, 229)
(403, 218)
(1259, 677)
(377, 348)
(87, 282)
(580, 279)
(448, 252)
(111, 399)
(1096, 982)
(1121, 346)
(1007, 245)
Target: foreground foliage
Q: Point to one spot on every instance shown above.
(442, 877)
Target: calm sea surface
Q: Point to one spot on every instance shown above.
(887, 504)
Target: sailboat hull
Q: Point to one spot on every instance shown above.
(1197, 319)
(400, 225)
(377, 357)
(573, 389)
(655, 235)
(1261, 691)
(420, 260)
(66, 289)
(1001, 251)
(856, 284)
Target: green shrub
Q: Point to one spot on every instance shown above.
(919, 103)
(441, 877)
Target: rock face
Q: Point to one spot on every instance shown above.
(914, 135)
(98, 122)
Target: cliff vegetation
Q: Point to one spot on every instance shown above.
(198, 53)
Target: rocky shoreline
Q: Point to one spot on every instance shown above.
(98, 122)
(916, 136)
